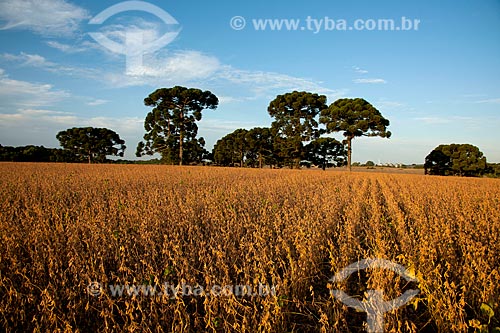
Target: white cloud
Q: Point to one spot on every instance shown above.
(183, 66)
(27, 96)
(40, 62)
(359, 70)
(390, 104)
(45, 17)
(228, 99)
(455, 120)
(375, 81)
(16, 93)
(96, 102)
(26, 59)
(56, 119)
(36, 126)
(187, 67)
(490, 101)
(76, 48)
(264, 83)
(433, 120)
(226, 126)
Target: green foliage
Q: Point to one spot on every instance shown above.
(171, 128)
(245, 147)
(370, 164)
(493, 170)
(36, 154)
(92, 144)
(232, 149)
(326, 152)
(295, 122)
(456, 160)
(354, 117)
(260, 144)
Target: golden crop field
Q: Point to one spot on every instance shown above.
(70, 231)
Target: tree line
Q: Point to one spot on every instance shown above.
(294, 138)
(294, 134)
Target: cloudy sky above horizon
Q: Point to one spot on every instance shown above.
(438, 84)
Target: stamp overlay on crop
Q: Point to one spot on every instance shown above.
(374, 305)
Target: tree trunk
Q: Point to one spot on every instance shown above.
(349, 151)
(241, 159)
(181, 137)
(90, 157)
(260, 160)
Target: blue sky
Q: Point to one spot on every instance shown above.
(438, 84)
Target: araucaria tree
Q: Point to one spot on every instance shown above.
(91, 144)
(326, 152)
(456, 159)
(171, 125)
(295, 122)
(232, 149)
(245, 147)
(355, 117)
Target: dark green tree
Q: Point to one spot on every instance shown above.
(355, 117)
(456, 159)
(36, 154)
(370, 163)
(295, 122)
(232, 149)
(260, 144)
(91, 144)
(326, 152)
(171, 124)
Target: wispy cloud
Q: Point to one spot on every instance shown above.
(433, 120)
(185, 67)
(72, 48)
(57, 120)
(369, 81)
(194, 67)
(40, 62)
(222, 127)
(96, 102)
(16, 93)
(268, 83)
(390, 104)
(455, 120)
(44, 17)
(359, 70)
(489, 101)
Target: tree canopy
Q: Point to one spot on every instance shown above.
(92, 144)
(456, 159)
(295, 122)
(326, 152)
(354, 117)
(171, 127)
(36, 154)
(241, 147)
